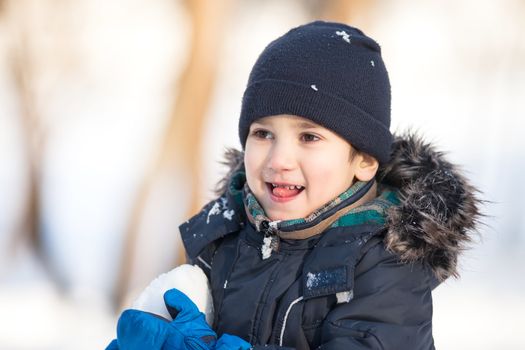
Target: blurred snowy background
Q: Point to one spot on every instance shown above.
(114, 115)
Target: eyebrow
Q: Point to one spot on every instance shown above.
(298, 124)
(306, 125)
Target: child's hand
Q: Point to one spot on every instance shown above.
(231, 342)
(139, 330)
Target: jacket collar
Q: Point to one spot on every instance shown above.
(315, 223)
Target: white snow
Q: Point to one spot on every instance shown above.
(189, 279)
(228, 214)
(266, 249)
(216, 209)
(273, 224)
(345, 35)
(311, 280)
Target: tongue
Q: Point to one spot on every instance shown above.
(285, 192)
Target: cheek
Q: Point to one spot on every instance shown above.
(330, 173)
(253, 162)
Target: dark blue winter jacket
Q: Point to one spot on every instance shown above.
(363, 282)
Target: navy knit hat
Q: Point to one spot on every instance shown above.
(327, 72)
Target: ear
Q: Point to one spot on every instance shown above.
(365, 167)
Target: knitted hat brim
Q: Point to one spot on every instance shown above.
(325, 109)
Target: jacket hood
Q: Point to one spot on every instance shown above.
(439, 210)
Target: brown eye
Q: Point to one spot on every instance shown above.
(310, 138)
(262, 134)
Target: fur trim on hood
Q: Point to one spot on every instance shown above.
(438, 212)
(439, 209)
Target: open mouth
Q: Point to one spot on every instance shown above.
(284, 191)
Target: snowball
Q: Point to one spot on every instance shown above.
(189, 279)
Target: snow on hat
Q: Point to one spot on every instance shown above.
(330, 73)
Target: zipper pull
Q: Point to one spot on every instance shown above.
(270, 240)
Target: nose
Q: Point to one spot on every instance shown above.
(282, 157)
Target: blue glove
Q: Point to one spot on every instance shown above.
(113, 345)
(225, 342)
(139, 330)
(231, 342)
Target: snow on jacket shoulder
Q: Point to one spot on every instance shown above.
(363, 283)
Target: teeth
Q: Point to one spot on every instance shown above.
(292, 187)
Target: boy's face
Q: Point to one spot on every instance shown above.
(294, 166)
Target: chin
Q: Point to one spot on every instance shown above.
(273, 217)
(279, 216)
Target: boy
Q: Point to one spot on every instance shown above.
(328, 233)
